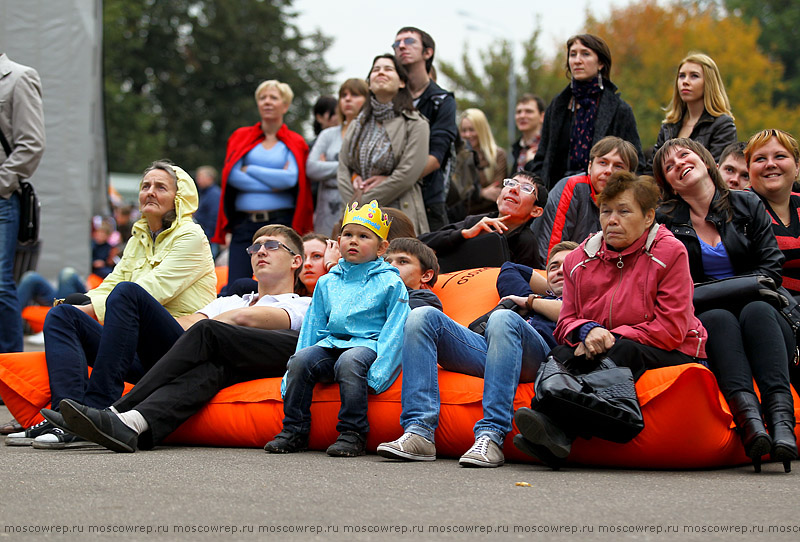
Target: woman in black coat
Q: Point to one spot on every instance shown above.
(583, 113)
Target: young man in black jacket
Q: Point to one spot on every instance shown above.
(415, 49)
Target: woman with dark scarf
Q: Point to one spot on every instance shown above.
(385, 150)
(584, 113)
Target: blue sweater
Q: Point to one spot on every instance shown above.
(268, 182)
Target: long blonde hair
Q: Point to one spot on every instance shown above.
(715, 100)
(485, 138)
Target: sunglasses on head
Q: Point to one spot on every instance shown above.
(270, 244)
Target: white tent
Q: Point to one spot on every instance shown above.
(62, 40)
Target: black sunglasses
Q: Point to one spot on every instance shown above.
(270, 244)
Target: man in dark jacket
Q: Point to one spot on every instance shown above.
(571, 213)
(520, 201)
(414, 49)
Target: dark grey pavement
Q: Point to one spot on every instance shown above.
(182, 493)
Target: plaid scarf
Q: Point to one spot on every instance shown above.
(374, 148)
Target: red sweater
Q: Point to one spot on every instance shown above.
(240, 143)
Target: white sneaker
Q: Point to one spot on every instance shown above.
(484, 453)
(410, 446)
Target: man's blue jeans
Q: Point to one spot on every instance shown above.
(35, 288)
(511, 353)
(137, 332)
(10, 320)
(348, 367)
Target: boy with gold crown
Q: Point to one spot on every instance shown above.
(352, 335)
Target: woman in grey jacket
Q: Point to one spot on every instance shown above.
(385, 149)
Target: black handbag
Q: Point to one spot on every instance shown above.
(733, 293)
(601, 404)
(29, 207)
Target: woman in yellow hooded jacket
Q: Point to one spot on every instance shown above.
(166, 272)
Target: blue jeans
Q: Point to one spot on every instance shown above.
(511, 353)
(348, 367)
(10, 320)
(35, 288)
(137, 332)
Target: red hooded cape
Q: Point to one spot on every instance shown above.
(240, 143)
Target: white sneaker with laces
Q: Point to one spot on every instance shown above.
(484, 453)
(410, 446)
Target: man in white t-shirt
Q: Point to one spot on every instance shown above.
(234, 339)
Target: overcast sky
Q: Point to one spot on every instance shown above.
(363, 29)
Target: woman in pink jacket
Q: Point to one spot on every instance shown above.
(627, 297)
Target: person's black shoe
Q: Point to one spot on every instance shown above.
(287, 443)
(541, 438)
(349, 444)
(100, 426)
(55, 418)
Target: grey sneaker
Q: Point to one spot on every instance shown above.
(410, 446)
(484, 453)
(25, 438)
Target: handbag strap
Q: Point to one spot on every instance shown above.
(6, 145)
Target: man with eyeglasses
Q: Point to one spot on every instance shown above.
(520, 201)
(233, 339)
(415, 49)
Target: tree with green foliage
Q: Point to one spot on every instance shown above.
(487, 87)
(780, 33)
(179, 75)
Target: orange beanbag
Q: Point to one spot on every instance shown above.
(687, 422)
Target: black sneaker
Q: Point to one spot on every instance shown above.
(58, 439)
(349, 444)
(287, 443)
(25, 438)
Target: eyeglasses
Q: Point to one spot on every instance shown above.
(270, 244)
(406, 41)
(528, 188)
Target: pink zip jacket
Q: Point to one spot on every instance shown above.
(643, 293)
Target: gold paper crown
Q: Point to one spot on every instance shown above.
(370, 216)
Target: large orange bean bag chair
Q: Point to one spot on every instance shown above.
(687, 422)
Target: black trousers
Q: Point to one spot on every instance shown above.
(210, 356)
(756, 343)
(636, 356)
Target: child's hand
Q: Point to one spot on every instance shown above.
(332, 254)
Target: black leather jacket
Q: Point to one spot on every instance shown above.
(747, 238)
(714, 133)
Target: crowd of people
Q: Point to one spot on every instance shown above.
(625, 254)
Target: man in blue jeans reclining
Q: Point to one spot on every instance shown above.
(510, 353)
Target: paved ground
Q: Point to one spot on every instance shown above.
(183, 493)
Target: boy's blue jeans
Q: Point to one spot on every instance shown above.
(510, 353)
(347, 366)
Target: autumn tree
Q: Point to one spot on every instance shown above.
(179, 76)
(486, 86)
(648, 40)
(780, 25)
